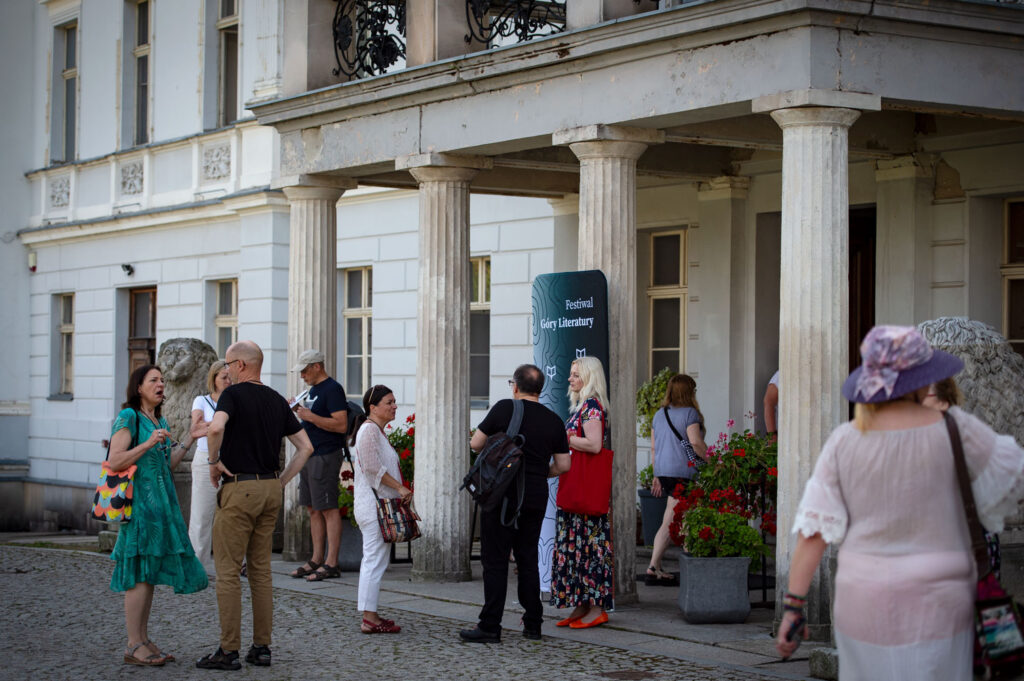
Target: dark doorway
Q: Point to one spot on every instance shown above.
(862, 278)
(141, 328)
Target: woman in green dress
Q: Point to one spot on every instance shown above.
(153, 547)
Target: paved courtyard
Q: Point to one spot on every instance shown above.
(61, 621)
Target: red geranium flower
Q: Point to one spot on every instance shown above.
(406, 453)
(706, 533)
(739, 452)
(346, 475)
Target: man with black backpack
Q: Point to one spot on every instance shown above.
(542, 437)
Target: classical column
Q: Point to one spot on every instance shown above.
(607, 242)
(813, 317)
(905, 190)
(442, 364)
(312, 310)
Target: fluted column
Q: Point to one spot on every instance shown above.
(442, 365)
(813, 318)
(607, 242)
(312, 314)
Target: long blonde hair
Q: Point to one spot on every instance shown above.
(592, 374)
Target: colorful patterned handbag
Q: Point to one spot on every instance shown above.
(112, 502)
(397, 520)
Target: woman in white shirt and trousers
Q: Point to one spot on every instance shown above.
(204, 495)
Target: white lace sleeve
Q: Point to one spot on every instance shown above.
(369, 454)
(822, 509)
(996, 464)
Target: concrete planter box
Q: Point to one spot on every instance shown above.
(652, 510)
(713, 590)
(350, 554)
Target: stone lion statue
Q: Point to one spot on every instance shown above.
(185, 363)
(993, 377)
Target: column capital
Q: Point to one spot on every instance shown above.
(812, 97)
(256, 202)
(608, 141)
(904, 168)
(812, 116)
(300, 193)
(440, 160)
(721, 188)
(338, 182)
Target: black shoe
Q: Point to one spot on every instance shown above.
(478, 635)
(220, 660)
(258, 655)
(531, 633)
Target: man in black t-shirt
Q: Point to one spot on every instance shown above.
(544, 434)
(324, 414)
(244, 441)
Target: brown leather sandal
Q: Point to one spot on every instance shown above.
(325, 572)
(153, 660)
(302, 570)
(382, 627)
(155, 648)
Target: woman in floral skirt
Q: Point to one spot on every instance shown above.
(582, 564)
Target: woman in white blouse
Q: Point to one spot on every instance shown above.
(376, 470)
(204, 495)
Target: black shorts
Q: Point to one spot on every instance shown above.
(318, 482)
(668, 485)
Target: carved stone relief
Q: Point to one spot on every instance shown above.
(132, 176)
(60, 191)
(216, 162)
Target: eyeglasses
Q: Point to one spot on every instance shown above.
(227, 364)
(511, 383)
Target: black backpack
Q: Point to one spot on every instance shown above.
(499, 463)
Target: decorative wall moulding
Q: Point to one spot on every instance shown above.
(60, 191)
(132, 176)
(217, 162)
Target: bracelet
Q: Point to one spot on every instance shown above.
(217, 460)
(794, 603)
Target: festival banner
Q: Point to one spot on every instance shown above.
(570, 320)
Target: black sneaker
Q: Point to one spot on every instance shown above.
(478, 635)
(532, 633)
(258, 655)
(220, 660)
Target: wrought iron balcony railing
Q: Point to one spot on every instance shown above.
(491, 21)
(369, 36)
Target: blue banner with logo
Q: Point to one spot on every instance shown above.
(570, 320)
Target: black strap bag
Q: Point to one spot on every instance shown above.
(498, 464)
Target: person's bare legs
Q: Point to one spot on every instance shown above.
(317, 528)
(137, 603)
(332, 524)
(661, 539)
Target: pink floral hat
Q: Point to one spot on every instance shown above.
(897, 360)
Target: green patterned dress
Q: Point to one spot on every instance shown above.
(153, 547)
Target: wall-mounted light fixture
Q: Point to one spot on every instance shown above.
(31, 261)
(128, 269)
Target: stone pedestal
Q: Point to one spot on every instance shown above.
(442, 364)
(813, 318)
(312, 315)
(607, 242)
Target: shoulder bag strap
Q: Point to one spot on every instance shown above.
(135, 437)
(209, 402)
(978, 545)
(671, 425)
(517, 419)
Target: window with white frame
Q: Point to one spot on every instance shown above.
(62, 364)
(136, 70)
(666, 296)
(227, 82)
(357, 316)
(480, 332)
(64, 93)
(225, 321)
(1013, 275)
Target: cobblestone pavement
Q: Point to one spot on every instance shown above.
(60, 620)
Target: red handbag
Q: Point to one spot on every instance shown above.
(587, 486)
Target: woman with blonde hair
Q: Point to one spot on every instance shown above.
(204, 495)
(885, 486)
(582, 562)
(678, 417)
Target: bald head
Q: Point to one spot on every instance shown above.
(244, 361)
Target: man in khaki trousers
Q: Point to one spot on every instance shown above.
(244, 441)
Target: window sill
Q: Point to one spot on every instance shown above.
(478, 404)
(61, 397)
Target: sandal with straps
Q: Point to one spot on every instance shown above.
(303, 571)
(325, 572)
(167, 656)
(382, 627)
(153, 660)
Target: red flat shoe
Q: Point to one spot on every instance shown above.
(597, 621)
(382, 627)
(567, 622)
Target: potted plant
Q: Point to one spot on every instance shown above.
(652, 508)
(649, 397)
(403, 439)
(712, 522)
(350, 554)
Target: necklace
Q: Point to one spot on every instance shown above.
(377, 423)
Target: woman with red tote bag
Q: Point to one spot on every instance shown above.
(582, 562)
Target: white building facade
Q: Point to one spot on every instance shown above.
(759, 184)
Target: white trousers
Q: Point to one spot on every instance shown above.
(376, 556)
(200, 519)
